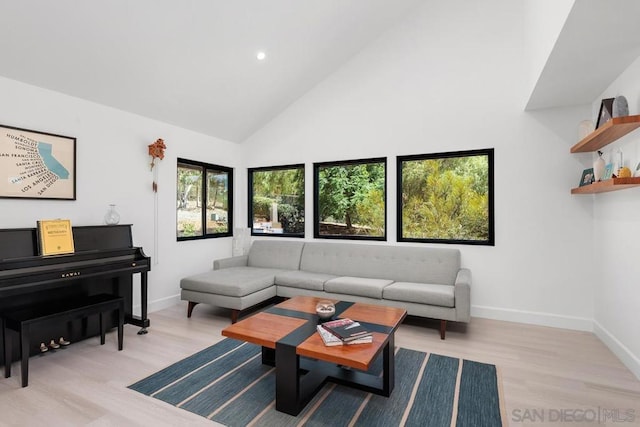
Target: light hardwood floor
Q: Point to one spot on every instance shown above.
(546, 372)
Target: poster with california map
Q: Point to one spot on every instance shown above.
(36, 165)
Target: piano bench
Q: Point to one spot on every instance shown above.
(24, 319)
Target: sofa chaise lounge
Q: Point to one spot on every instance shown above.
(427, 282)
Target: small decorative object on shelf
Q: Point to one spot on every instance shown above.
(624, 172)
(585, 128)
(112, 217)
(606, 112)
(325, 310)
(608, 172)
(620, 106)
(587, 177)
(620, 161)
(598, 167)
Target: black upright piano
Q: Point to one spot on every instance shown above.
(104, 261)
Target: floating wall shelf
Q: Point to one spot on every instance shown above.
(607, 133)
(612, 184)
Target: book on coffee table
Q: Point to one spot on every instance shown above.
(346, 329)
(331, 340)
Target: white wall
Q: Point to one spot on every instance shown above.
(451, 78)
(113, 167)
(617, 244)
(543, 21)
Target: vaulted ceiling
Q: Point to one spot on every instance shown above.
(191, 63)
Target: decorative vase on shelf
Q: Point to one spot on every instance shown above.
(598, 167)
(585, 128)
(112, 217)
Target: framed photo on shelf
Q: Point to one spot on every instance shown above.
(606, 112)
(608, 172)
(37, 165)
(587, 177)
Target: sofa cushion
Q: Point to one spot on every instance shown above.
(399, 263)
(270, 254)
(303, 280)
(359, 286)
(233, 282)
(423, 293)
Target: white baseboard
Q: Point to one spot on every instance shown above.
(159, 304)
(533, 318)
(629, 359)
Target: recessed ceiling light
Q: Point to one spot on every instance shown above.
(261, 56)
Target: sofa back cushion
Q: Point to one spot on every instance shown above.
(398, 263)
(275, 254)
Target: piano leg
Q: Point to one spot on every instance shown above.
(143, 303)
(24, 351)
(141, 321)
(6, 344)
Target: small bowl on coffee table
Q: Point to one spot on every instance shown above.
(325, 310)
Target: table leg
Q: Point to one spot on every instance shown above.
(388, 368)
(268, 356)
(287, 379)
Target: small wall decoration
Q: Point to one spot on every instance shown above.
(587, 177)
(606, 112)
(37, 165)
(156, 151)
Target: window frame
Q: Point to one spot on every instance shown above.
(316, 202)
(489, 152)
(206, 168)
(250, 172)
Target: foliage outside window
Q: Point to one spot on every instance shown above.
(276, 200)
(204, 202)
(350, 199)
(446, 198)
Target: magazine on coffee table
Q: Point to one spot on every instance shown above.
(331, 340)
(346, 329)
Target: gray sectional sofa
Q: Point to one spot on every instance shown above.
(426, 281)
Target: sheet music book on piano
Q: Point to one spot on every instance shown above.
(55, 237)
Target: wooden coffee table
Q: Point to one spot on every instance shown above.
(287, 331)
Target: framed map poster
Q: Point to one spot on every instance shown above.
(37, 165)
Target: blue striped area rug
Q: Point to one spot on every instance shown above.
(228, 383)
